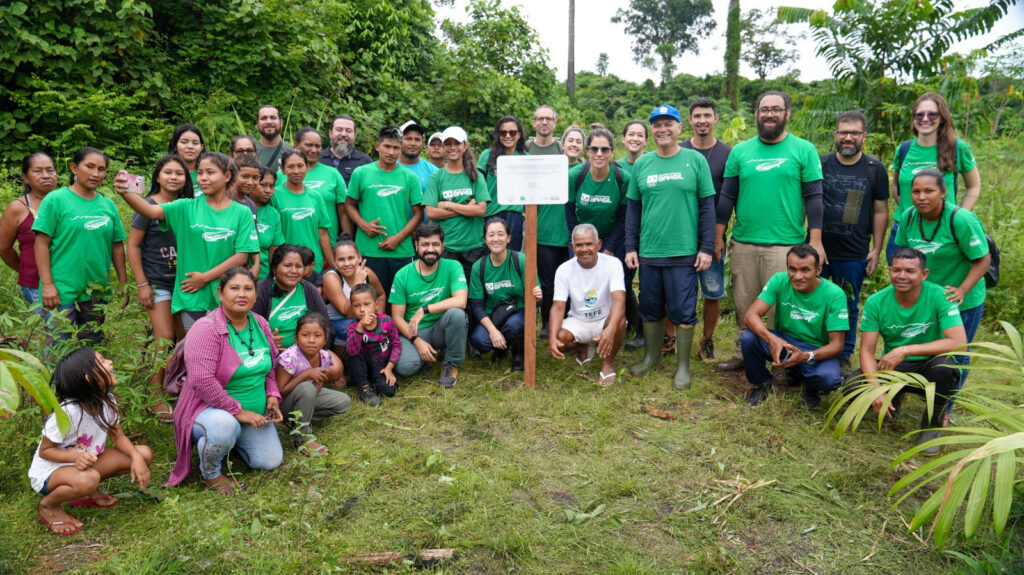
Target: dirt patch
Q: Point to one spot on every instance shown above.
(73, 556)
(562, 497)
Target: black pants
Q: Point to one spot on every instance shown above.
(364, 370)
(386, 268)
(939, 370)
(467, 259)
(548, 260)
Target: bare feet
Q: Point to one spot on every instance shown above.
(59, 522)
(313, 448)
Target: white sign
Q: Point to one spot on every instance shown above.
(533, 179)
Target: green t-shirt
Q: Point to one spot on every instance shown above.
(669, 189)
(82, 234)
(330, 184)
(500, 282)
(268, 229)
(249, 383)
(388, 196)
(807, 317)
(493, 207)
(206, 237)
(770, 203)
(552, 229)
(598, 203)
(924, 322)
(927, 157)
(461, 233)
(302, 217)
(283, 317)
(949, 260)
(415, 291)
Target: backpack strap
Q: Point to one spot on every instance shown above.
(901, 155)
(952, 228)
(528, 144)
(581, 177)
(515, 261)
(618, 174)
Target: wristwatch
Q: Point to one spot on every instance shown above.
(810, 358)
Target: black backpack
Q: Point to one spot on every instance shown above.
(582, 176)
(992, 274)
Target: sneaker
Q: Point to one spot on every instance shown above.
(925, 437)
(668, 345)
(810, 398)
(707, 350)
(543, 334)
(449, 376)
(759, 395)
(367, 396)
(734, 364)
(635, 343)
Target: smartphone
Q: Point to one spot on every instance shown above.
(785, 354)
(136, 184)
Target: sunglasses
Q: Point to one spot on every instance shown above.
(508, 133)
(599, 150)
(925, 115)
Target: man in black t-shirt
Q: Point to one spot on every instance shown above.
(856, 191)
(703, 117)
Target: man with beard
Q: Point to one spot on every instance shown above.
(856, 192)
(381, 197)
(343, 154)
(428, 305)
(412, 147)
(703, 117)
(774, 182)
(552, 229)
(435, 150)
(270, 145)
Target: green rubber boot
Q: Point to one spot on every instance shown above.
(684, 341)
(653, 332)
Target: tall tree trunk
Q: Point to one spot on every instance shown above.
(570, 82)
(732, 53)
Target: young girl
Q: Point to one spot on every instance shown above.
(337, 288)
(324, 179)
(303, 214)
(153, 255)
(302, 371)
(214, 234)
(187, 142)
(268, 220)
(372, 347)
(68, 467)
(40, 176)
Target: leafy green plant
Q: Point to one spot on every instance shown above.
(20, 368)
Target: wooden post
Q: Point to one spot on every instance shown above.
(530, 273)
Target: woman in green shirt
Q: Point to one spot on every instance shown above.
(284, 297)
(323, 179)
(268, 220)
(304, 220)
(634, 138)
(507, 141)
(187, 142)
(572, 145)
(74, 222)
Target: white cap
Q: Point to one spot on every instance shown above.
(435, 136)
(454, 132)
(412, 124)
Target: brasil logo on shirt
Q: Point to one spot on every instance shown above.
(93, 222)
(765, 165)
(495, 286)
(461, 192)
(385, 190)
(655, 179)
(214, 234)
(254, 360)
(590, 199)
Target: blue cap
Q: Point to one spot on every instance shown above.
(665, 110)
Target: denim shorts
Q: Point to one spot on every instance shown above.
(712, 281)
(160, 294)
(46, 484)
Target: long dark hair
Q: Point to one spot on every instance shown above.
(26, 165)
(186, 192)
(79, 378)
(319, 319)
(223, 163)
(497, 149)
(172, 147)
(946, 145)
(84, 153)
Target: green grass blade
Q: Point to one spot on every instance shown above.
(978, 497)
(1002, 499)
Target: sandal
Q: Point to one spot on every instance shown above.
(162, 411)
(223, 485)
(51, 524)
(591, 352)
(90, 502)
(668, 345)
(305, 449)
(607, 379)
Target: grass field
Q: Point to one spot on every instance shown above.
(512, 479)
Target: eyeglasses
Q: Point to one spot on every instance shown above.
(776, 111)
(848, 133)
(599, 150)
(543, 119)
(245, 150)
(508, 133)
(918, 116)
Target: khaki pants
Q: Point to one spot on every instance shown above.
(752, 266)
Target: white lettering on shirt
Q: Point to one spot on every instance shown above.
(449, 195)
(495, 286)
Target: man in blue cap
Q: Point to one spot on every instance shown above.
(670, 223)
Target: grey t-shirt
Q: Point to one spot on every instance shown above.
(158, 250)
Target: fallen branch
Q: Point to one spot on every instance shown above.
(425, 557)
(657, 412)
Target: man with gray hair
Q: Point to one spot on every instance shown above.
(593, 282)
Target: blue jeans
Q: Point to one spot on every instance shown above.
(824, 375)
(79, 314)
(972, 319)
(849, 273)
(215, 432)
(512, 330)
(891, 247)
(340, 327)
(668, 287)
(515, 228)
(31, 295)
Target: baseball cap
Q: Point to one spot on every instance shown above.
(412, 125)
(456, 133)
(665, 110)
(434, 136)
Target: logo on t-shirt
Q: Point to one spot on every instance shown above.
(262, 228)
(427, 296)
(590, 199)
(93, 222)
(764, 165)
(290, 312)
(911, 329)
(214, 234)
(590, 298)
(495, 286)
(313, 185)
(656, 179)
(449, 195)
(975, 241)
(385, 190)
(800, 314)
(927, 247)
(253, 360)
(300, 213)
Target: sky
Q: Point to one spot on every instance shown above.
(595, 33)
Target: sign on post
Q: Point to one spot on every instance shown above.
(532, 181)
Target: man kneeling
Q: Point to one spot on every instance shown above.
(917, 325)
(811, 319)
(593, 282)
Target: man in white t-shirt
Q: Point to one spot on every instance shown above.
(593, 282)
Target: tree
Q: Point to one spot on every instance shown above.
(602, 64)
(732, 53)
(668, 28)
(570, 82)
(765, 42)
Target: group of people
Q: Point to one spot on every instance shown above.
(297, 267)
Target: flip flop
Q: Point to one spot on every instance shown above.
(606, 376)
(591, 352)
(162, 415)
(304, 450)
(90, 502)
(51, 524)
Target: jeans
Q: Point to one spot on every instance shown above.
(891, 247)
(848, 273)
(823, 375)
(386, 268)
(313, 404)
(512, 330)
(215, 432)
(79, 314)
(515, 228)
(340, 327)
(31, 295)
(972, 319)
(939, 369)
(448, 336)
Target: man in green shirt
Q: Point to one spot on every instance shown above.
(811, 320)
(774, 182)
(428, 304)
(552, 229)
(670, 230)
(381, 197)
(918, 327)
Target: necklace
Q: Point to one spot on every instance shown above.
(938, 224)
(248, 346)
(424, 278)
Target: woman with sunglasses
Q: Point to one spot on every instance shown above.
(507, 141)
